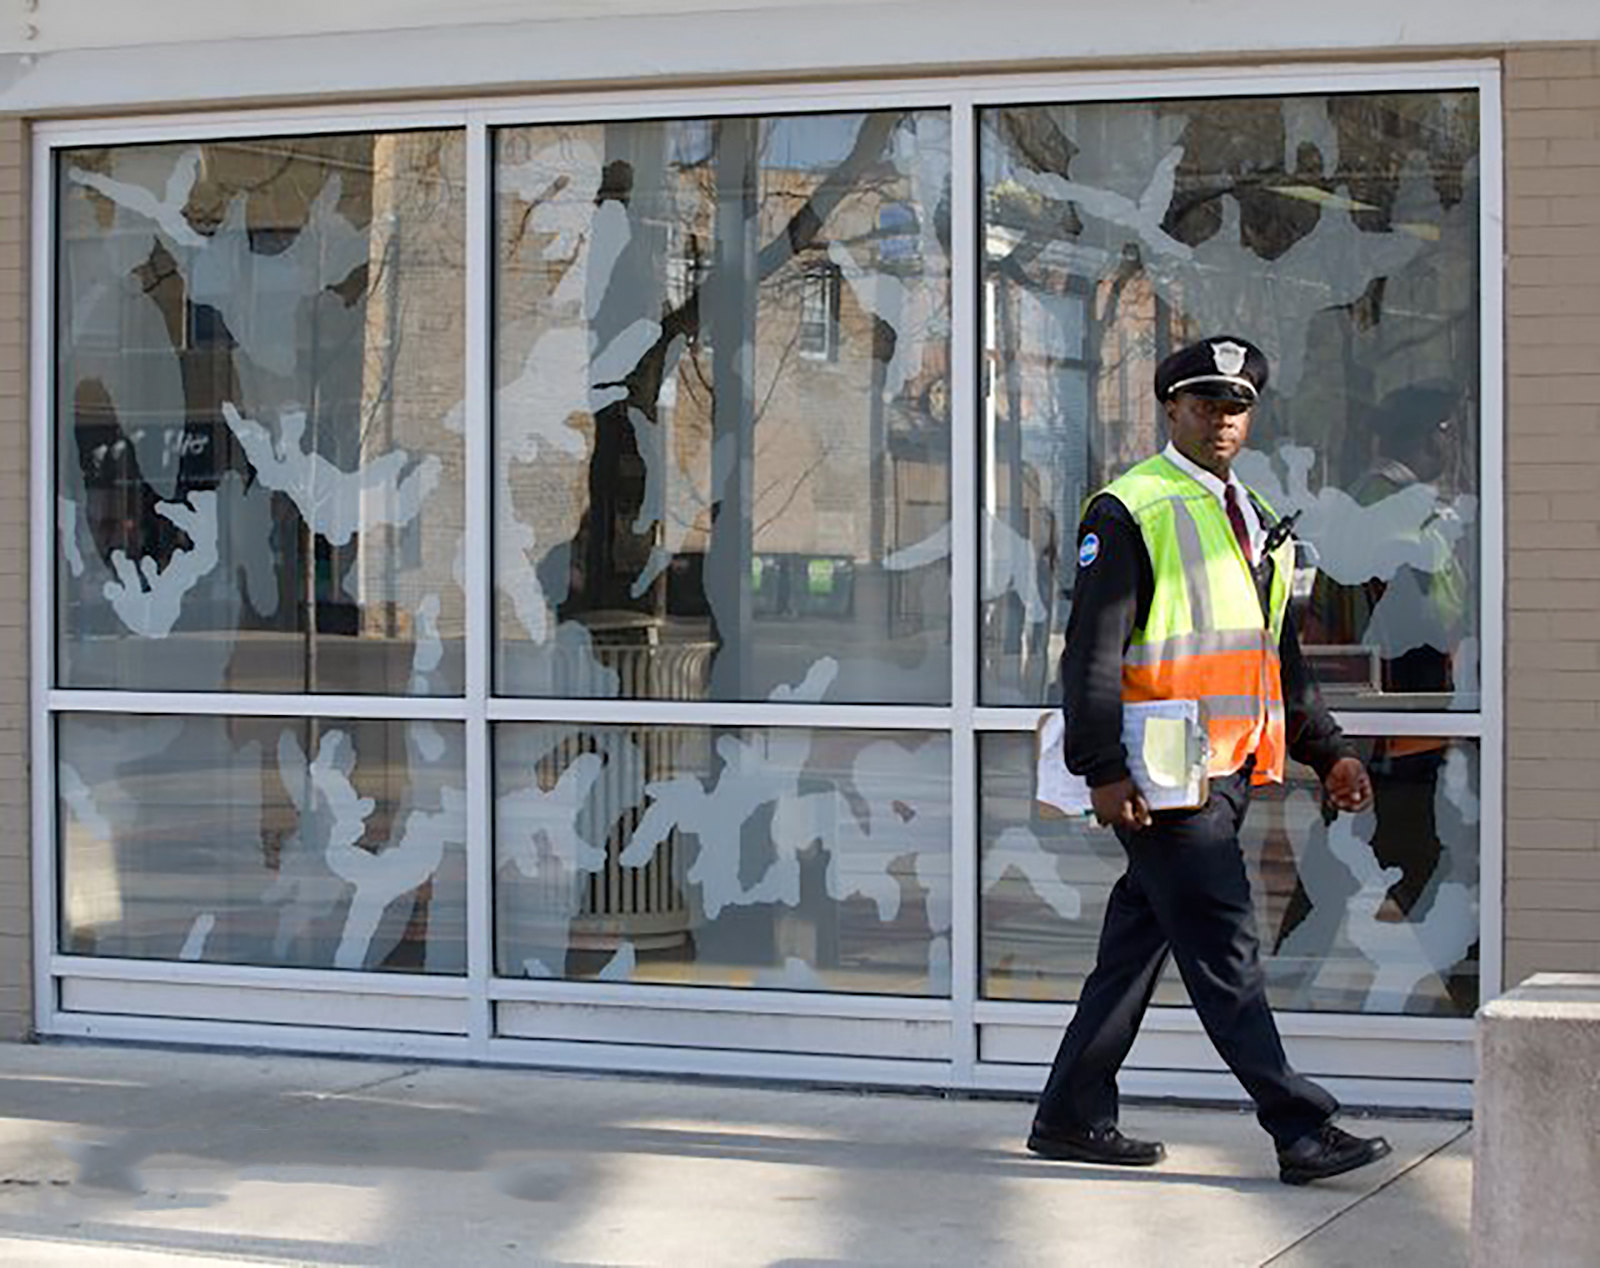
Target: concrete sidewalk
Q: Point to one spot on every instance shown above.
(114, 1156)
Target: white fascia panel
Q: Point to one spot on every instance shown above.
(674, 40)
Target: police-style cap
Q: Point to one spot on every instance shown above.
(1224, 368)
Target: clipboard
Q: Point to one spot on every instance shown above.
(1168, 756)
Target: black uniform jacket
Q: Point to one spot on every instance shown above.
(1110, 600)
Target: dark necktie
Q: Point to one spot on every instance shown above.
(1230, 499)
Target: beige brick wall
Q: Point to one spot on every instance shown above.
(1552, 99)
(16, 994)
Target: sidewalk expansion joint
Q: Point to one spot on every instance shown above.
(1343, 1211)
(368, 1085)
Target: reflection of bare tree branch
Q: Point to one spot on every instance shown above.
(784, 357)
(799, 233)
(801, 481)
(517, 236)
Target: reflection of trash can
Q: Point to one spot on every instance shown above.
(827, 587)
(644, 906)
(802, 585)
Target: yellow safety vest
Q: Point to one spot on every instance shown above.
(1205, 638)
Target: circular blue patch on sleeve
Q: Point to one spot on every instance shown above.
(1088, 549)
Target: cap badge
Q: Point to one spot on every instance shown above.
(1228, 357)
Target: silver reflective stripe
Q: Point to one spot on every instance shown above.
(1231, 707)
(1202, 643)
(1196, 576)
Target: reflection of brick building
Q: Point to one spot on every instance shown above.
(411, 397)
(817, 377)
(353, 351)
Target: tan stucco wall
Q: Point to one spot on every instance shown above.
(1553, 516)
(16, 996)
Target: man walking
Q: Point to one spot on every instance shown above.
(1182, 593)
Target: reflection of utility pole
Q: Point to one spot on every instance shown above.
(381, 337)
(731, 294)
(877, 441)
(1008, 447)
(308, 539)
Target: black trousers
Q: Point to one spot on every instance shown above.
(1185, 893)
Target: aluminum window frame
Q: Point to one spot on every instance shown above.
(1322, 1042)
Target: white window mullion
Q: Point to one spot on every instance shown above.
(623, 711)
(258, 704)
(478, 581)
(41, 586)
(965, 845)
(1491, 541)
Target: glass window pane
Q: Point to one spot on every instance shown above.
(1373, 913)
(306, 843)
(259, 428)
(786, 858)
(722, 408)
(1340, 234)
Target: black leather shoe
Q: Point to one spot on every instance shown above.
(1328, 1151)
(1105, 1145)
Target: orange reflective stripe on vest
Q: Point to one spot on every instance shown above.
(1206, 638)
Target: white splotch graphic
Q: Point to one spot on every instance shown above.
(930, 550)
(820, 677)
(753, 775)
(1404, 540)
(566, 373)
(922, 155)
(899, 303)
(321, 863)
(80, 802)
(332, 817)
(246, 513)
(117, 825)
(677, 496)
(166, 211)
(379, 878)
(194, 945)
(794, 975)
(149, 598)
(891, 829)
(1144, 216)
(426, 741)
(1010, 563)
(864, 841)
(538, 829)
(1410, 528)
(1334, 264)
(620, 967)
(429, 649)
(387, 490)
(1223, 284)
(1407, 954)
(68, 526)
(265, 316)
(1017, 849)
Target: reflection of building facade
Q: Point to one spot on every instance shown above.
(604, 555)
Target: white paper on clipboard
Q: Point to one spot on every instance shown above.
(1167, 756)
(1056, 790)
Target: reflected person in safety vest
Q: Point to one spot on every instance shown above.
(1182, 593)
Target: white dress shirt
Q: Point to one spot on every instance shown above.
(1217, 488)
